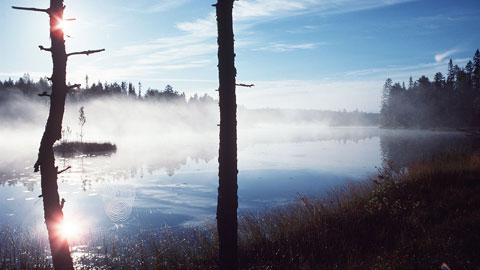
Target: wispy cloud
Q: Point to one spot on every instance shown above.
(196, 38)
(311, 27)
(205, 27)
(165, 5)
(155, 7)
(439, 57)
(390, 69)
(194, 44)
(260, 9)
(402, 72)
(247, 10)
(282, 47)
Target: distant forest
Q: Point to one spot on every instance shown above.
(452, 102)
(26, 87)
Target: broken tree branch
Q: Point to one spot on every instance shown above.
(44, 49)
(77, 85)
(36, 167)
(85, 52)
(33, 9)
(44, 94)
(69, 167)
(245, 85)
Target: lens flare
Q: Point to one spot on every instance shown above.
(62, 25)
(68, 229)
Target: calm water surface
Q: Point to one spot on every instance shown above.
(173, 182)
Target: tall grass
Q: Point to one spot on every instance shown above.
(416, 218)
(22, 250)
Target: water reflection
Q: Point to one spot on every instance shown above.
(149, 185)
(411, 146)
(118, 201)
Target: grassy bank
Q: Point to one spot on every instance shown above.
(417, 218)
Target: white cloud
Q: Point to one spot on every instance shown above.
(282, 47)
(183, 53)
(194, 45)
(247, 10)
(391, 69)
(155, 7)
(439, 57)
(261, 9)
(402, 72)
(165, 5)
(246, 14)
(206, 27)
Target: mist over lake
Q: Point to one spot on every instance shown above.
(245, 134)
(164, 172)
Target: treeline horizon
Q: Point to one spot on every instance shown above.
(29, 89)
(446, 102)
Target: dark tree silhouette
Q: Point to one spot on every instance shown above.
(476, 70)
(61, 257)
(452, 102)
(227, 189)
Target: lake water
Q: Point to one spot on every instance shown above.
(172, 182)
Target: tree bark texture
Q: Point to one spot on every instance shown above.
(227, 189)
(46, 160)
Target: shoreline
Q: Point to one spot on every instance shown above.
(411, 219)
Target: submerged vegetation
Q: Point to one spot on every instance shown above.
(414, 218)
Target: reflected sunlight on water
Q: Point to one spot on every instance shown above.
(118, 201)
(174, 183)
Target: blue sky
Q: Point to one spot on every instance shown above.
(313, 54)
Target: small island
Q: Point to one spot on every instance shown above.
(68, 149)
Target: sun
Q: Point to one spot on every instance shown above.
(63, 25)
(68, 229)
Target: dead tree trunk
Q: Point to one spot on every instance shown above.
(227, 189)
(46, 160)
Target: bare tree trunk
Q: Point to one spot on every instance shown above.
(53, 131)
(46, 161)
(227, 189)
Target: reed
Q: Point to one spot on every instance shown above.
(416, 218)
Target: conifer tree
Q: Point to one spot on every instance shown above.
(451, 74)
(476, 70)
